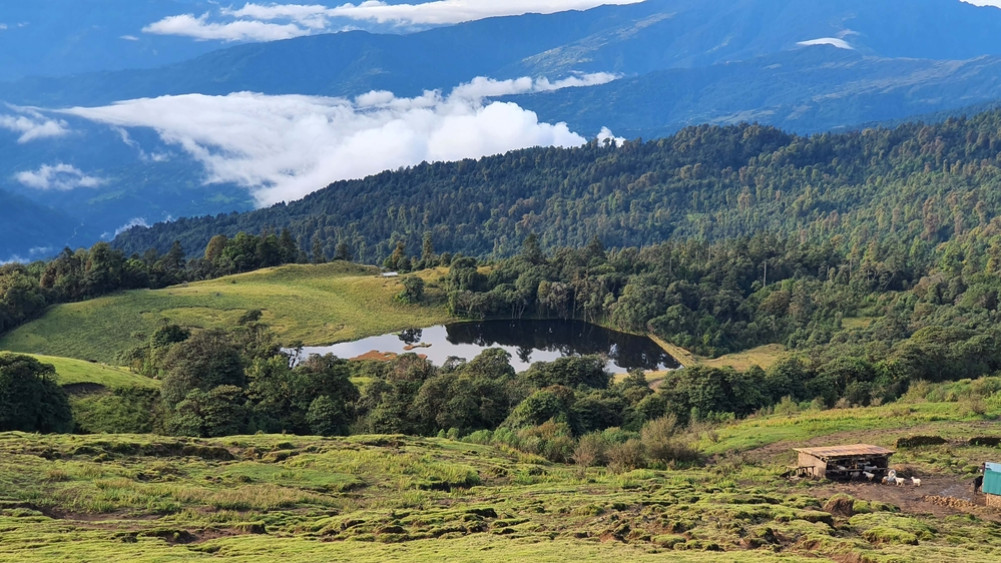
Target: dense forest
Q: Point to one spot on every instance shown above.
(915, 182)
(873, 256)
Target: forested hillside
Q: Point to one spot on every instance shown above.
(914, 185)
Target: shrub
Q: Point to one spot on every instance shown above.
(550, 439)
(626, 456)
(590, 450)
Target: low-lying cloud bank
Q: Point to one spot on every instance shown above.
(59, 177)
(269, 22)
(283, 147)
(31, 124)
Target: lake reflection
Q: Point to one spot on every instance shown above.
(527, 341)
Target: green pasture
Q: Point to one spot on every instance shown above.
(400, 498)
(70, 371)
(313, 304)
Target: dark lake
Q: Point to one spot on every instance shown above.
(527, 341)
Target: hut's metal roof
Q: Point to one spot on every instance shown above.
(844, 451)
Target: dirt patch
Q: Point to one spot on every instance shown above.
(381, 356)
(938, 496)
(840, 506)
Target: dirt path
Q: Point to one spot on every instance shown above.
(937, 496)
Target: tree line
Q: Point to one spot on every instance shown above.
(27, 289)
(915, 183)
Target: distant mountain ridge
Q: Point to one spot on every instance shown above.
(630, 40)
(680, 63)
(914, 184)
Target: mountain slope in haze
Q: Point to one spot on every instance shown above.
(680, 62)
(46, 229)
(69, 37)
(630, 40)
(916, 182)
(805, 90)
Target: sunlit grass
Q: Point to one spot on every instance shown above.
(70, 371)
(399, 498)
(314, 304)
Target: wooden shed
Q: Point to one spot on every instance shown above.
(992, 484)
(843, 462)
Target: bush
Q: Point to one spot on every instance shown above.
(626, 456)
(128, 410)
(590, 450)
(550, 439)
(663, 445)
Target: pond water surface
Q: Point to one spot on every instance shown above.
(527, 341)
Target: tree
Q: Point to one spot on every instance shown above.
(427, 250)
(326, 417)
(206, 360)
(413, 290)
(214, 249)
(395, 261)
(329, 377)
(218, 412)
(30, 398)
(531, 251)
(317, 250)
(342, 252)
(287, 247)
(569, 371)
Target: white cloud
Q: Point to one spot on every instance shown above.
(833, 41)
(312, 17)
(129, 37)
(135, 222)
(606, 135)
(3, 26)
(456, 11)
(32, 125)
(260, 22)
(61, 177)
(284, 147)
(995, 3)
(481, 87)
(36, 253)
(143, 155)
(241, 30)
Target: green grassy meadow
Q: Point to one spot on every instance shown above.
(144, 497)
(71, 371)
(314, 304)
(391, 497)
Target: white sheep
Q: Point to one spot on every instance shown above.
(869, 476)
(916, 481)
(900, 480)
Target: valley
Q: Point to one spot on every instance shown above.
(419, 280)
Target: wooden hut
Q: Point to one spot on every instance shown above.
(843, 462)
(992, 484)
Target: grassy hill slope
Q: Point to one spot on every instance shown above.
(377, 498)
(314, 304)
(70, 371)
